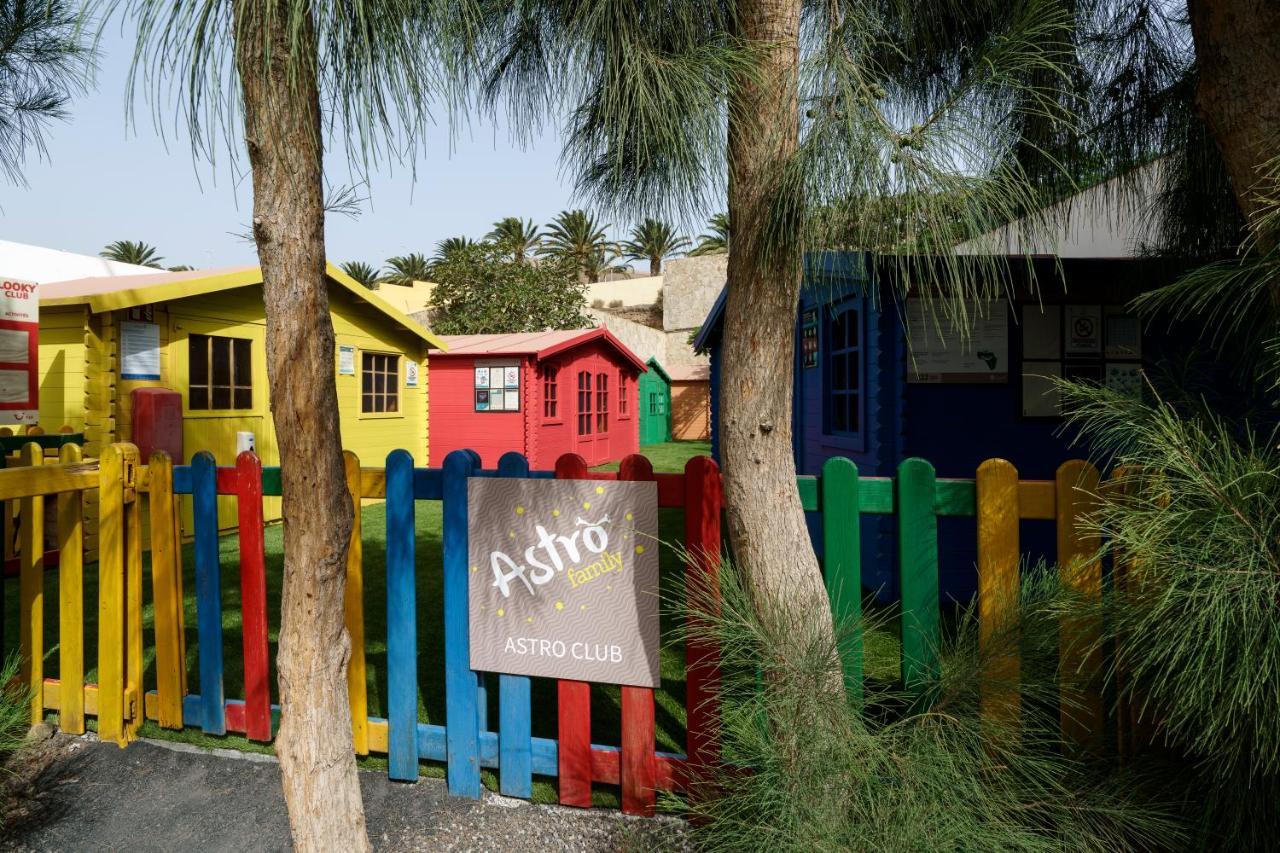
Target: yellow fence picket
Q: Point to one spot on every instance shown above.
(133, 595)
(70, 603)
(166, 591)
(111, 596)
(31, 587)
(1081, 567)
(998, 590)
(354, 609)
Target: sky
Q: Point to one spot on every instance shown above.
(103, 180)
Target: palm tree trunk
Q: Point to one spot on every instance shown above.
(765, 519)
(1238, 62)
(282, 133)
(655, 266)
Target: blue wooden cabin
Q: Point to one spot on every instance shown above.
(859, 393)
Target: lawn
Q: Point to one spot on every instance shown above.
(669, 700)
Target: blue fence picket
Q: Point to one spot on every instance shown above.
(515, 744)
(204, 495)
(461, 683)
(402, 627)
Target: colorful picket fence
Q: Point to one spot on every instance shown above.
(467, 742)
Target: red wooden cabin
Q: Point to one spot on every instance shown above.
(542, 394)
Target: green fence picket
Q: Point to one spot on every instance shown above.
(842, 566)
(918, 574)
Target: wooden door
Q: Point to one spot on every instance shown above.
(584, 411)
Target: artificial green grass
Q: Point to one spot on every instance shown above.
(669, 456)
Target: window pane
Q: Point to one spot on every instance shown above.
(243, 372)
(221, 359)
(198, 348)
(853, 412)
(839, 373)
(244, 398)
(393, 400)
(198, 397)
(366, 382)
(851, 369)
(839, 414)
(221, 397)
(851, 328)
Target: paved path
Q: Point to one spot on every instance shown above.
(153, 796)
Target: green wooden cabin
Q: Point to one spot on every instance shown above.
(655, 404)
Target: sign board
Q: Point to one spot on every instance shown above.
(346, 360)
(1084, 330)
(942, 352)
(564, 579)
(139, 350)
(19, 351)
(411, 374)
(809, 339)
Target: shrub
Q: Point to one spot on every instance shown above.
(15, 708)
(615, 303)
(819, 770)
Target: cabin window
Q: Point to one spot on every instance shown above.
(380, 383)
(219, 373)
(844, 370)
(550, 389)
(584, 402)
(656, 406)
(622, 395)
(602, 402)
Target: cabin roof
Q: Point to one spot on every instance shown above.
(111, 293)
(538, 344)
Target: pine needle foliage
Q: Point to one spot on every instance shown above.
(15, 708)
(1197, 510)
(808, 769)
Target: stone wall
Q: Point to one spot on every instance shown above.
(690, 288)
(642, 340)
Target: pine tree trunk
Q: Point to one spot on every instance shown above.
(282, 133)
(1237, 46)
(765, 519)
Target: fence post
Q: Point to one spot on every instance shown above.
(134, 692)
(166, 592)
(204, 501)
(111, 595)
(703, 501)
(1081, 567)
(842, 563)
(402, 622)
(31, 587)
(353, 613)
(574, 700)
(70, 603)
(253, 597)
(996, 490)
(515, 744)
(461, 683)
(918, 578)
(638, 763)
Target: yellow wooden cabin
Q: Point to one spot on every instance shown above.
(203, 333)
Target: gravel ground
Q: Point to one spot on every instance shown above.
(79, 794)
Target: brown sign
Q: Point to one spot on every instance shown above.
(564, 579)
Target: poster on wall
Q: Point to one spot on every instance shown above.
(1125, 378)
(500, 386)
(139, 350)
(941, 352)
(1124, 336)
(1084, 330)
(411, 374)
(1041, 331)
(346, 360)
(1040, 397)
(19, 351)
(809, 339)
(564, 579)
(482, 377)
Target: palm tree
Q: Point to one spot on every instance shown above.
(516, 236)
(654, 240)
(133, 252)
(43, 64)
(716, 241)
(450, 246)
(361, 272)
(577, 237)
(406, 269)
(379, 74)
